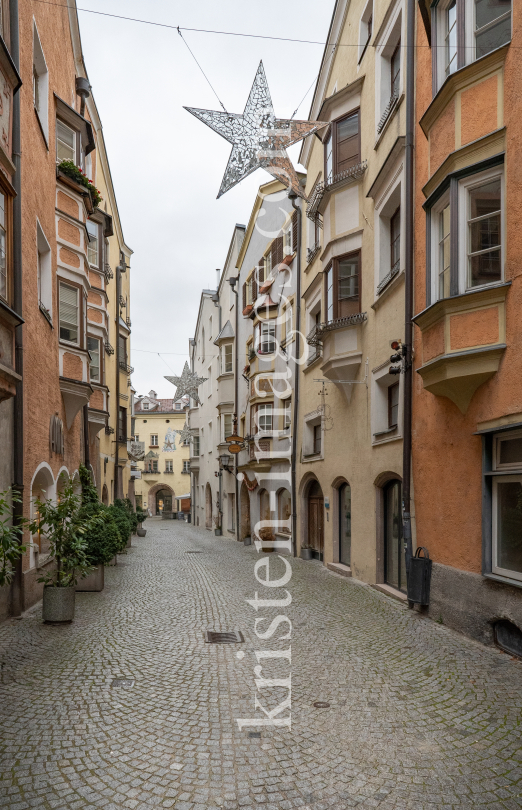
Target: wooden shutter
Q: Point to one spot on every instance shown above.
(261, 272)
(347, 143)
(273, 254)
(244, 296)
(254, 287)
(294, 231)
(279, 249)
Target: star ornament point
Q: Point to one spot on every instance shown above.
(185, 435)
(258, 138)
(187, 384)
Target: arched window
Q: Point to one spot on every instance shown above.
(345, 524)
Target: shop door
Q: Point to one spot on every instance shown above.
(395, 569)
(316, 521)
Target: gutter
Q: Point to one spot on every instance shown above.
(292, 196)
(18, 405)
(408, 302)
(236, 395)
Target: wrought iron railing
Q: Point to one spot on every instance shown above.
(314, 338)
(128, 322)
(388, 277)
(124, 367)
(108, 348)
(388, 111)
(320, 189)
(109, 430)
(108, 272)
(312, 252)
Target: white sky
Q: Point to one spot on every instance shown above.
(167, 166)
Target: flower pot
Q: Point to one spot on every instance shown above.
(58, 604)
(306, 553)
(141, 532)
(114, 560)
(93, 582)
(218, 532)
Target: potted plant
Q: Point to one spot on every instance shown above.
(267, 535)
(122, 519)
(102, 540)
(11, 548)
(142, 515)
(217, 526)
(306, 552)
(70, 169)
(65, 530)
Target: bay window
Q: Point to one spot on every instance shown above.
(93, 347)
(265, 337)
(226, 359)
(484, 233)
(195, 446)
(450, 38)
(263, 419)
(69, 313)
(492, 25)
(342, 287)
(227, 425)
(93, 245)
(3, 247)
(342, 147)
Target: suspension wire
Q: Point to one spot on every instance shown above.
(314, 81)
(201, 69)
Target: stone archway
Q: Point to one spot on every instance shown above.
(208, 507)
(151, 496)
(244, 498)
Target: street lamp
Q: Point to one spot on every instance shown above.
(224, 462)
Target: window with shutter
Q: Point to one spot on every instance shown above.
(261, 270)
(244, 295)
(294, 231)
(69, 313)
(278, 250)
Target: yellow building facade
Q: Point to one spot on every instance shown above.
(164, 485)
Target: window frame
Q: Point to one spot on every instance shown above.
(99, 379)
(330, 177)
(395, 80)
(317, 438)
(169, 465)
(393, 387)
(496, 569)
(464, 186)
(8, 243)
(78, 289)
(224, 361)
(333, 267)
(497, 440)
(265, 336)
(195, 445)
(267, 408)
(224, 428)
(186, 465)
(76, 147)
(96, 225)
(152, 437)
(395, 266)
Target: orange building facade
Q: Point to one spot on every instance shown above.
(467, 401)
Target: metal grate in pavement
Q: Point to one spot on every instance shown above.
(223, 637)
(194, 552)
(122, 683)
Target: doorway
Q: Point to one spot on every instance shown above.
(163, 501)
(244, 498)
(316, 520)
(208, 507)
(345, 524)
(395, 558)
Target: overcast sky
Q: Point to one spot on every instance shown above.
(166, 165)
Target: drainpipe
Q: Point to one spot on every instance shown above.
(233, 282)
(119, 270)
(217, 303)
(292, 196)
(18, 405)
(408, 303)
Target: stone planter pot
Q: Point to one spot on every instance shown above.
(58, 604)
(114, 560)
(306, 553)
(94, 582)
(141, 532)
(129, 542)
(218, 532)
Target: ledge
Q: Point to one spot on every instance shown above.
(75, 395)
(492, 294)
(389, 591)
(339, 568)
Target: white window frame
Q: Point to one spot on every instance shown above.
(287, 239)
(41, 78)
(385, 206)
(435, 213)
(266, 337)
(75, 142)
(470, 34)
(145, 406)
(224, 352)
(97, 379)
(497, 441)
(265, 414)
(152, 442)
(169, 465)
(44, 270)
(504, 572)
(96, 237)
(465, 185)
(268, 264)
(384, 51)
(287, 415)
(78, 324)
(186, 466)
(195, 446)
(225, 417)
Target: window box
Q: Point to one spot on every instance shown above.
(67, 169)
(248, 310)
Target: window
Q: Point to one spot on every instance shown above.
(507, 505)
(227, 425)
(365, 29)
(288, 323)
(492, 25)
(40, 84)
(65, 142)
(145, 406)
(264, 418)
(395, 72)
(287, 240)
(393, 405)
(342, 148)
(69, 313)
(226, 359)
(93, 244)
(265, 273)
(195, 446)
(186, 466)
(122, 349)
(93, 347)
(44, 273)
(444, 253)
(395, 242)
(136, 437)
(209, 381)
(342, 287)
(122, 424)
(287, 416)
(154, 465)
(169, 466)
(154, 440)
(265, 337)
(484, 234)
(3, 247)
(450, 38)
(317, 439)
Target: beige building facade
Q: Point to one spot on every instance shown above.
(352, 280)
(164, 482)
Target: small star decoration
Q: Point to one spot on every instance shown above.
(184, 435)
(258, 138)
(187, 384)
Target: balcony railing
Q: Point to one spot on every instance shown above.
(150, 472)
(108, 348)
(314, 338)
(333, 180)
(128, 322)
(168, 472)
(124, 367)
(387, 278)
(312, 252)
(388, 111)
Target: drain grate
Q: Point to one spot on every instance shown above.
(321, 704)
(122, 683)
(254, 734)
(194, 552)
(223, 637)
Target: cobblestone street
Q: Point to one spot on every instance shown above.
(418, 717)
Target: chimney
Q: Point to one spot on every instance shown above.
(218, 274)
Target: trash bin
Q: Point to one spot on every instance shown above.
(419, 578)
(189, 517)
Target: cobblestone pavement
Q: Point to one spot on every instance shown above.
(419, 717)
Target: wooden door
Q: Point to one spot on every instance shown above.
(316, 524)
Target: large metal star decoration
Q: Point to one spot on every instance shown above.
(187, 384)
(185, 435)
(258, 138)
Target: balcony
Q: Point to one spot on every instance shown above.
(463, 340)
(320, 194)
(124, 367)
(339, 343)
(150, 472)
(108, 348)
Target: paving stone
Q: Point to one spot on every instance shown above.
(420, 718)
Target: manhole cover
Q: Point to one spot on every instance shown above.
(122, 683)
(321, 704)
(255, 734)
(223, 637)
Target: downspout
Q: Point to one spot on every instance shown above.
(18, 404)
(292, 196)
(117, 319)
(83, 90)
(235, 420)
(192, 344)
(408, 302)
(217, 304)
